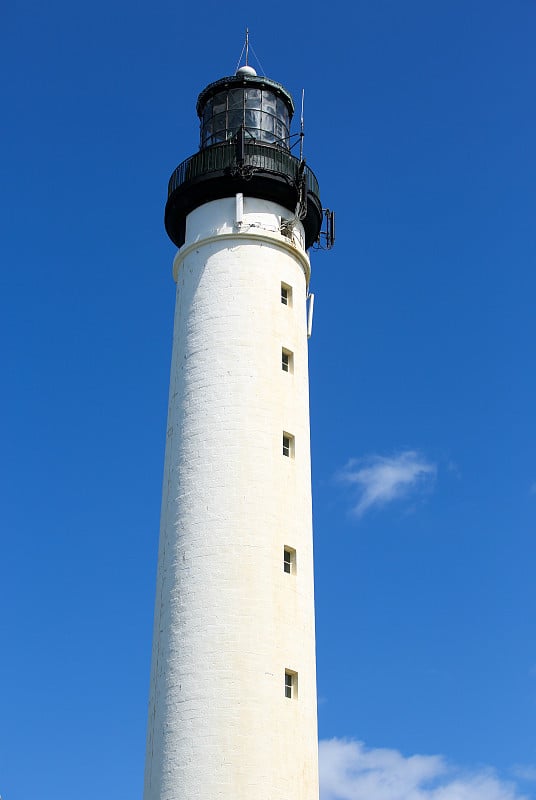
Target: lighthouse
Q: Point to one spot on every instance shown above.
(232, 710)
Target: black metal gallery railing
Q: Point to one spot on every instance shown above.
(223, 158)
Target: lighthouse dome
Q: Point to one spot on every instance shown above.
(246, 70)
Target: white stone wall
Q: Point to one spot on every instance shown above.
(228, 619)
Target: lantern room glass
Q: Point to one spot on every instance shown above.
(264, 116)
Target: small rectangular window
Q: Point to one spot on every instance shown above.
(288, 445)
(289, 560)
(288, 685)
(286, 560)
(291, 684)
(286, 294)
(287, 360)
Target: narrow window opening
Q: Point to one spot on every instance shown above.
(291, 684)
(287, 360)
(286, 294)
(289, 560)
(286, 561)
(288, 685)
(288, 445)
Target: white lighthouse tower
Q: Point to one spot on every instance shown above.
(232, 712)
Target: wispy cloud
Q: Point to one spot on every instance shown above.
(381, 479)
(351, 771)
(526, 772)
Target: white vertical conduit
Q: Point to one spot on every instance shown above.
(239, 213)
(310, 310)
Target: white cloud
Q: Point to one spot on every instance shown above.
(526, 772)
(350, 771)
(381, 479)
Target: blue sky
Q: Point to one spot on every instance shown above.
(420, 125)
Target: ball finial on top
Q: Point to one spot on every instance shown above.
(246, 70)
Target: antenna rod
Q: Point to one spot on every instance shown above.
(301, 124)
(247, 45)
